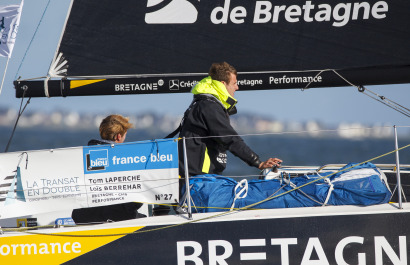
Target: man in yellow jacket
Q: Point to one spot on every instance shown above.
(206, 125)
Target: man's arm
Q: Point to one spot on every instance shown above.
(219, 125)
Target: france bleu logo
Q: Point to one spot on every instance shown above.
(97, 160)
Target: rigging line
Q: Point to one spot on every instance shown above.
(21, 158)
(289, 184)
(283, 133)
(133, 76)
(213, 216)
(283, 186)
(112, 145)
(172, 74)
(308, 84)
(362, 89)
(18, 117)
(167, 75)
(388, 105)
(135, 232)
(386, 101)
(4, 74)
(384, 98)
(392, 183)
(33, 78)
(32, 38)
(320, 203)
(244, 176)
(327, 176)
(398, 106)
(248, 207)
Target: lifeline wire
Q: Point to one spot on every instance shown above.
(286, 133)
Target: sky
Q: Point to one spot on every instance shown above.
(327, 105)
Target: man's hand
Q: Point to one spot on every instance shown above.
(271, 162)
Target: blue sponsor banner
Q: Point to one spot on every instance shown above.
(155, 154)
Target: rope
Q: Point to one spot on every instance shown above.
(248, 207)
(390, 103)
(398, 108)
(4, 74)
(32, 38)
(242, 193)
(383, 98)
(329, 192)
(334, 173)
(18, 69)
(18, 117)
(46, 87)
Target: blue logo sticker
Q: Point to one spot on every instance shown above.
(97, 159)
(145, 155)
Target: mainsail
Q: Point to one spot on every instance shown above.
(139, 47)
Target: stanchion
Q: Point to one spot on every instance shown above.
(188, 192)
(398, 168)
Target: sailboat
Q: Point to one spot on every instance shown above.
(154, 47)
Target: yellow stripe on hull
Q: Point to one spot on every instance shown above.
(56, 249)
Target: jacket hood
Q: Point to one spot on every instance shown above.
(99, 142)
(217, 89)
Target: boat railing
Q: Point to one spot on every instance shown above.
(396, 168)
(302, 169)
